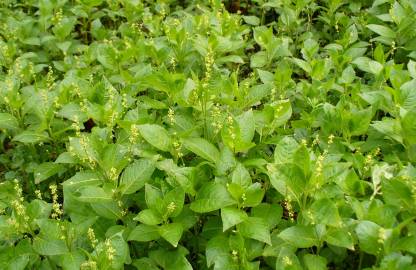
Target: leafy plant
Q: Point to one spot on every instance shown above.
(207, 135)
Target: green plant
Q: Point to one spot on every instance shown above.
(190, 135)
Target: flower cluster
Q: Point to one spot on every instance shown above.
(109, 250)
(134, 134)
(171, 116)
(289, 208)
(91, 237)
(21, 220)
(216, 115)
(56, 206)
(89, 265)
(231, 128)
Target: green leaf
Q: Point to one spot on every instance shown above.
(72, 260)
(302, 160)
(46, 170)
(368, 65)
(49, 247)
(360, 121)
(391, 128)
(339, 237)
(324, 211)
(253, 195)
(153, 197)
(409, 127)
(83, 178)
(282, 113)
(288, 179)
(407, 95)
(411, 67)
(8, 121)
(406, 243)
(136, 175)
(287, 260)
(121, 255)
(92, 194)
(145, 263)
(348, 75)
(396, 192)
(258, 59)
(156, 135)
(368, 234)
(217, 253)
(110, 210)
(202, 148)
(271, 213)
(252, 20)
(285, 149)
(171, 232)
(171, 260)
(73, 112)
(246, 123)
(241, 176)
(382, 30)
(303, 65)
(114, 157)
(211, 197)
(314, 262)
(300, 236)
(144, 233)
(232, 216)
(149, 217)
(255, 228)
(173, 202)
(38, 209)
(30, 136)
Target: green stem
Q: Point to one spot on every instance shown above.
(360, 262)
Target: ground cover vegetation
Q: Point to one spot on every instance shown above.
(205, 135)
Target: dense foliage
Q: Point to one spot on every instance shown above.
(188, 134)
